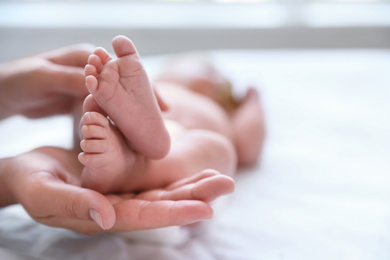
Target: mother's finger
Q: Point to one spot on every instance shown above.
(87, 227)
(73, 55)
(205, 187)
(65, 79)
(137, 214)
(194, 178)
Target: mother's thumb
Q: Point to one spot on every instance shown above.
(72, 202)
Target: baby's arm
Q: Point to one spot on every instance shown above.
(248, 129)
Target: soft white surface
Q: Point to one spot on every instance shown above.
(322, 190)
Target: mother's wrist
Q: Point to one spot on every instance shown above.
(5, 111)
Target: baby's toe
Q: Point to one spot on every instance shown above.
(95, 61)
(93, 132)
(95, 118)
(92, 160)
(94, 145)
(102, 54)
(123, 46)
(90, 70)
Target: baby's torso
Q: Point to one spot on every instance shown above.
(195, 111)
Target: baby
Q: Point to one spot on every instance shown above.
(137, 136)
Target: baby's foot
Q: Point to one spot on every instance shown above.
(110, 164)
(122, 89)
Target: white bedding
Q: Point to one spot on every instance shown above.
(321, 191)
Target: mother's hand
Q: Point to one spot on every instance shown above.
(45, 183)
(44, 84)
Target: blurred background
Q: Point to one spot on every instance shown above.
(163, 26)
(322, 187)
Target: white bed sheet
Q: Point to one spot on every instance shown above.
(321, 191)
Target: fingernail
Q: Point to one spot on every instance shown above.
(97, 217)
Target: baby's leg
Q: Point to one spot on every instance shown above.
(122, 89)
(110, 164)
(248, 129)
(192, 151)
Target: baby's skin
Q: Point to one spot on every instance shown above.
(123, 126)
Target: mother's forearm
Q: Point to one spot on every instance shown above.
(6, 194)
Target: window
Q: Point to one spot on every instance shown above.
(182, 25)
(195, 13)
